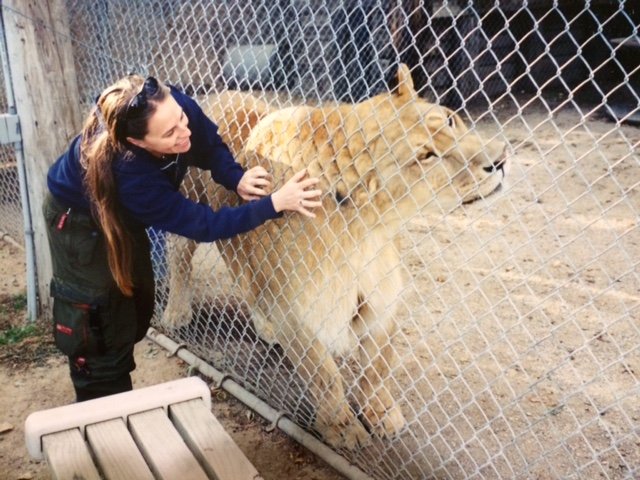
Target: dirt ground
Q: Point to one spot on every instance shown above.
(34, 376)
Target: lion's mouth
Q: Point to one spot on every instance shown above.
(482, 196)
(497, 166)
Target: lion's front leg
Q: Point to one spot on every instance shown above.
(335, 420)
(180, 251)
(377, 356)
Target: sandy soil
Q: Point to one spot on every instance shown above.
(34, 377)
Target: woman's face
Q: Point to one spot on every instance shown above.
(168, 130)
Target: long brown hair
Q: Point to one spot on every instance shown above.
(104, 139)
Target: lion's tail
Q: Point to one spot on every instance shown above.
(236, 113)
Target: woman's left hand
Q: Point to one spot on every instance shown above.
(255, 183)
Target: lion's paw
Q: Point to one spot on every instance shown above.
(344, 431)
(178, 312)
(384, 424)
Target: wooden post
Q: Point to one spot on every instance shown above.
(47, 101)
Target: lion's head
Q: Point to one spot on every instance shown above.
(392, 155)
(405, 154)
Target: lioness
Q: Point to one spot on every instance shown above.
(328, 287)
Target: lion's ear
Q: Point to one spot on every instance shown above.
(405, 81)
(366, 190)
(354, 188)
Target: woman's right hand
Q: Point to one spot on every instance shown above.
(296, 196)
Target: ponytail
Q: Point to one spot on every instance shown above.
(98, 150)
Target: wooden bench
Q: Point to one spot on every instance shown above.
(166, 431)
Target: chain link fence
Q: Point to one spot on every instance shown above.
(11, 217)
(517, 341)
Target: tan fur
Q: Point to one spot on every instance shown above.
(328, 287)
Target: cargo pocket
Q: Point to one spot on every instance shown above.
(77, 318)
(73, 236)
(85, 246)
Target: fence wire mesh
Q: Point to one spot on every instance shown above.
(11, 223)
(517, 347)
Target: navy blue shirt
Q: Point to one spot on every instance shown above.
(148, 187)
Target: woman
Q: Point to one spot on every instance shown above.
(119, 176)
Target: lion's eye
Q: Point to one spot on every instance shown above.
(451, 121)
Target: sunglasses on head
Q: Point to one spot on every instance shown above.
(139, 101)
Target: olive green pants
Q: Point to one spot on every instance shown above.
(93, 323)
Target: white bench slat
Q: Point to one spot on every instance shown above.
(115, 451)
(161, 445)
(68, 456)
(210, 443)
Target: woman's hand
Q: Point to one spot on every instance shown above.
(296, 196)
(255, 183)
